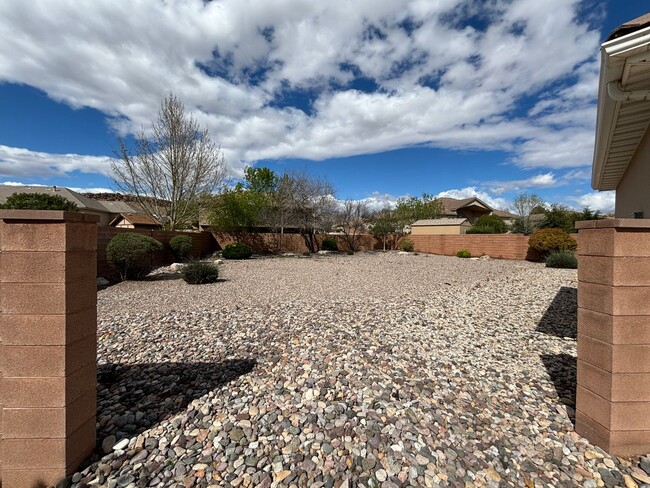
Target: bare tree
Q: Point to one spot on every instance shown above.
(313, 206)
(523, 206)
(352, 219)
(170, 170)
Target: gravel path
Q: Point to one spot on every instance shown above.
(347, 371)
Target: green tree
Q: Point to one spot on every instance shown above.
(412, 209)
(384, 227)
(489, 224)
(39, 201)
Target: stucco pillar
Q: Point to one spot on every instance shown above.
(613, 390)
(48, 344)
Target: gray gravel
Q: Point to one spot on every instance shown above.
(367, 370)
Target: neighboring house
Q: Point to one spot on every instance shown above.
(109, 212)
(472, 209)
(135, 221)
(440, 226)
(468, 208)
(622, 153)
(85, 204)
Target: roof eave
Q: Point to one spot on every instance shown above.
(614, 53)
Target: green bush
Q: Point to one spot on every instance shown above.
(236, 250)
(477, 229)
(329, 244)
(547, 241)
(562, 259)
(406, 245)
(199, 273)
(181, 247)
(489, 224)
(131, 254)
(464, 253)
(39, 201)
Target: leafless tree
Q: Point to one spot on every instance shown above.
(523, 206)
(313, 206)
(352, 220)
(170, 170)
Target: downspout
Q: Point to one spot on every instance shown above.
(618, 94)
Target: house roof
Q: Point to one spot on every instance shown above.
(504, 214)
(137, 219)
(451, 205)
(120, 207)
(623, 92)
(84, 203)
(436, 222)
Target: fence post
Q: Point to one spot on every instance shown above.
(613, 390)
(48, 344)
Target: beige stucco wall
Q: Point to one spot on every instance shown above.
(633, 191)
(427, 230)
(104, 218)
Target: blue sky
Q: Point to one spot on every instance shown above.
(384, 98)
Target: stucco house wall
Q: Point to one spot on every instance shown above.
(633, 191)
(439, 229)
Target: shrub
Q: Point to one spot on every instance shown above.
(39, 201)
(464, 253)
(406, 245)
(199, 273)
(181, 247)
(329, 244)
(478, 229)
(562, 259)
(236, 250)
(489, 224)
(546, 241)
(131, 254)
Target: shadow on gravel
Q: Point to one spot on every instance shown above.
(562, 370)
(134, 397)
(163, 277)
(561, 317)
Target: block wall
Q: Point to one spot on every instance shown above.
(613, 390)
(48, 323)
(501, 246)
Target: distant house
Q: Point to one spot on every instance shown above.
(440, 226)
(109, 212)
(85, 204)
(622, 153)
(135, 221)
(471, 209)
(468, 208)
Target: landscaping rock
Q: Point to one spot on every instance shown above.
(370, 370)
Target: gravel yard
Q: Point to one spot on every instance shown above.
(346, 371)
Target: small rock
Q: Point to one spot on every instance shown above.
(121, 445)
(108, 443)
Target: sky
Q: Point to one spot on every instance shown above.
(384, 98)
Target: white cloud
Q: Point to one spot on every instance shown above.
(541, 180)
(20, 162)
(603, 201)
(472, 191)
(441, 82)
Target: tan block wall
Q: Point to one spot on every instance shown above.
(502, 246)
(48, 323)
(613, 391)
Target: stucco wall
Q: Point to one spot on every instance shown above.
(426, 230)
(633, 193)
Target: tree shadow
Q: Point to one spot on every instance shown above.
(134, 397)
(561, 317)
(562, 369)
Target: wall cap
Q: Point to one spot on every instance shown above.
(47, 215)
(614, 223)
